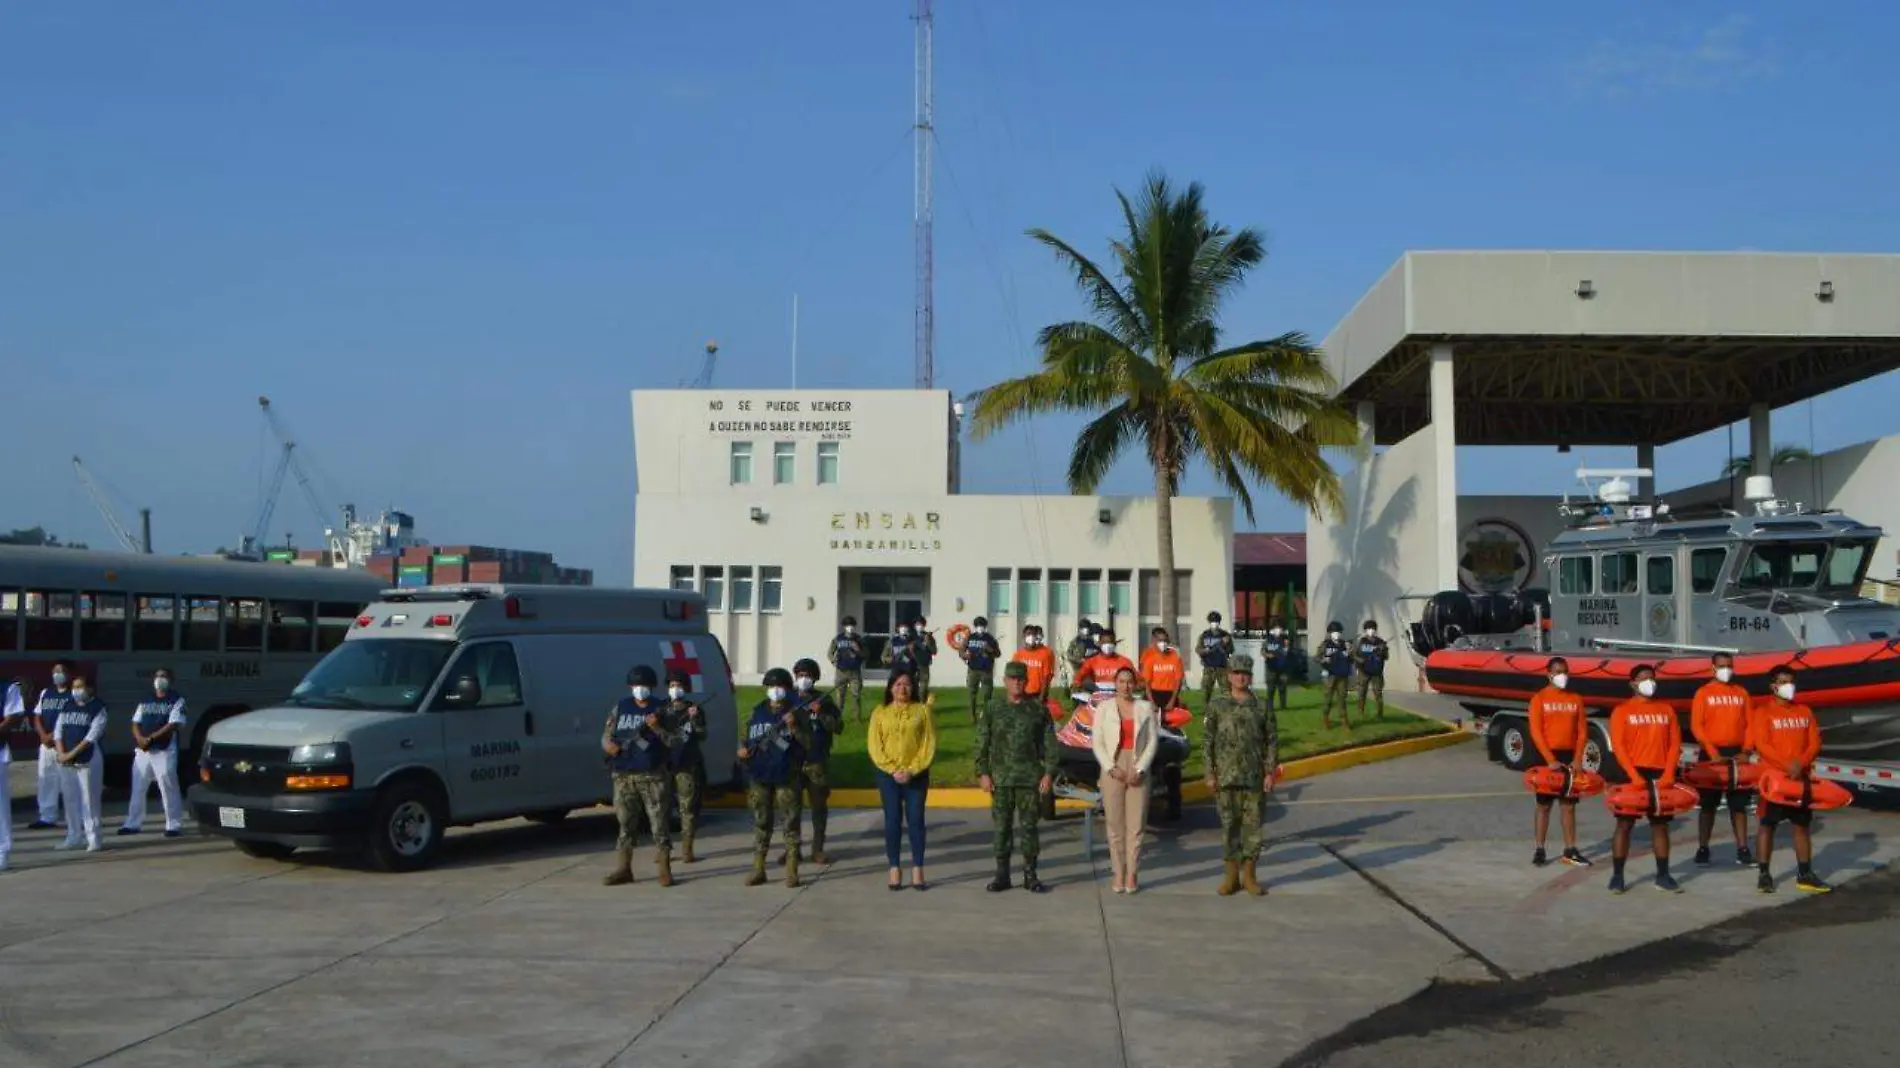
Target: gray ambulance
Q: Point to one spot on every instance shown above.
(454, 705)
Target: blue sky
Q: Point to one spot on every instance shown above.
(446, 238)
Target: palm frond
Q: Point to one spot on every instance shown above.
(1101, 292)
(1098, 447)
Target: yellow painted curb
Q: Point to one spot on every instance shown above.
(969, 797)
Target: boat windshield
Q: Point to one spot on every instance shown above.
(383, 675)
(1805, 565)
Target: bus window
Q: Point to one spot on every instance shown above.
(244, 627)
(102, 622)
(291, 626)
(49, 622)
(200, 631)
(334, 620)
(152, 624)
(9, 620)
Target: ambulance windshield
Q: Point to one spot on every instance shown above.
(384, 675)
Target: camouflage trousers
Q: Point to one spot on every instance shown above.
(1240, 813)
(686, 783)
(642, 794)
(1210, 679)
(1276, 688)
(1338, 690)
(769, 801)
(923, 682)
(1015, 811)
(1374, 684)
(816, 794)
(849, 692)
(982, 685)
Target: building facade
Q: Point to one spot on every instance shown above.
(793, 509)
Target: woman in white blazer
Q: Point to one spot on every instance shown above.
(1125, 734)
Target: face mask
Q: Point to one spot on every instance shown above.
(675, 692)
(849, 631)
(1372, 632)
(903, 632)
(776, 694)
(641, 693)
(804, 684)
(1560, 680)
(1723, 674)
(81, 695)
(979, 630)
(1647, 687)
(59, 678)
(1785, 691)
(1333, 634)
(1163, 646)
(1034, 641)
(1108, 648)
(161, 684)
(1275, 632)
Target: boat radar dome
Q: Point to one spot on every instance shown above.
(1758, 488)
(1616, 491)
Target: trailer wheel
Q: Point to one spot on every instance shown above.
(1597, 758)
(1514, 745)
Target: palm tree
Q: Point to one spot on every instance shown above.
(1743, 466)
(1152, 365)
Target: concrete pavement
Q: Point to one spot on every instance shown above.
(1385, 879)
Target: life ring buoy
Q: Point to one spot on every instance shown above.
(958, 637)
(1722, 775)
(1550, 781)
(1177, 717)
(1777, 788)
(1648, 799)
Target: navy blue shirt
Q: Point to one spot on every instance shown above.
(847, 652)
(983, 650)
(775, 751)
(641, 748)
(51, 704)
(78, 723)
(1275, 650)
(1337, 656)
(1213, 647)
(154, 712)
(1372, 655)
(901, 654)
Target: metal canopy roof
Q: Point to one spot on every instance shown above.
(1613, 348)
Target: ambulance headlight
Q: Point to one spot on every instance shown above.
(327, 753)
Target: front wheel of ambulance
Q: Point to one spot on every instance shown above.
(406, 830)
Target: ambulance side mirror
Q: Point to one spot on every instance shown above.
(464, 692)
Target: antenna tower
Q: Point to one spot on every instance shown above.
(924, 131)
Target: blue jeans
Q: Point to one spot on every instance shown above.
(903, 804)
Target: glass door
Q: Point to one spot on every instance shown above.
(890, 599)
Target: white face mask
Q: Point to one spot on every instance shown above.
(1560, 680)
(59, 678)
(776, 694)
(1372, 632)
(903, 632)
(1647, 687)
(1275, 632)
(642, 693)
(978, 630)
(1108, 648)
(1334, 634)
(675, 692)
(1723, 674)
(81, 695)
(1034, 640)
(1785, 691)
(161, 684)
(1162, 646)
(804, 684)
(849, 631)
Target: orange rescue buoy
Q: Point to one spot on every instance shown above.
(1177, 717)
(1777, 788)
(1733, 774)
(958, 635)
(1551, 781)
(1648, 799)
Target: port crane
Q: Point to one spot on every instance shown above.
(125, 536)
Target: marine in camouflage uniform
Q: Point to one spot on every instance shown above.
(980, 652)
(773, 752)
(846, 654)
(923, 651)
(637, 748)
(1242, 736)
(1214, 646)
(684, 724)
(827, 723)
(1016, 761)
(1335, 656)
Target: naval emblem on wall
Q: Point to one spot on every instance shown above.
(1495, 556)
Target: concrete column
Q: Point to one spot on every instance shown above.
(1646, 458)
(1444, 502)
(1761, 442)
(1366, 424)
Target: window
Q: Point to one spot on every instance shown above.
(154, 622)
(908, 585)
(1090, 595)
(1576, 576)
(1661, 575)
(102, 622)
(1148, 592)
(1059, 592)
(200, 631)
(292, 626)
(876, 583)
(999, 592)
(49, 622)
(742, 588)
(334, 620)
(827, 463)
(390, 675)
(9, 620)
(1782, 565)
(740, 471)
(244, 627)
(1705, 569)
(1029, 592)
(681, 577)
(784, 463)
(492, 666)
(771, 588)
(1844, 565)
(1119, 591)
(1619, 573)
(1183, 584)
(712, 583)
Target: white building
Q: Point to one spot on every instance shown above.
(793, 509)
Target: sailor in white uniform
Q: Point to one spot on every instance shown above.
(156, 723)
(12, 711)
(53, 700)
(81, 765)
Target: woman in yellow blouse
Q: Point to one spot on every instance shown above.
(903, 742)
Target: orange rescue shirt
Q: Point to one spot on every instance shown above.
(1041, 662)
(1162, 671)
(1101, 670)
(1720, 717)
(1786, 735)
(1557, 722)
(1646, 734)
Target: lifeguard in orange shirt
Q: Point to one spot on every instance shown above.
(1647, 741)
(1719, 720)
(1558, 730)
(1098, 671)
(1162, 671)
(1041, 661)
(1789, 738)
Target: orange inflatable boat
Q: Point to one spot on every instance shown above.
(1647, 799)
(1551, 781)
(1721, 774)
(1776, 787)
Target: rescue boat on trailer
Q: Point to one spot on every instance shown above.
(1633, 583)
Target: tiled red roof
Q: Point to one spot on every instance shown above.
(1287, 550)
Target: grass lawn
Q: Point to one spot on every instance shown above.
(1300, 735)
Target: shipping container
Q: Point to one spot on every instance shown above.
(408, 578)
(441, 574)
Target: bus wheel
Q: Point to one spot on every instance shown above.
(405, 833)
(265, 850)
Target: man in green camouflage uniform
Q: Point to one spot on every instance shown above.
(637, 745)
(1242, 737)
(924, 651)
(846, 654)
(827, 723)
(772, 748)
(684, 722)
(1016, 764)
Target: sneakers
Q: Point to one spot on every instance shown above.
(41, 825)
(1667, 884)
(1702, 857)
(1538, 859)
(1616, 884)
(174, 834)
(1764, 883)
(124, 831)
(1744, 857)
(1811, 884)
(1575, 858)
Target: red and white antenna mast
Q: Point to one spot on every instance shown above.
(923, 132)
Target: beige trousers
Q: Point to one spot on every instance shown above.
(1126, 813)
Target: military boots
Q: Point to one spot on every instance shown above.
(686, 851)
(1248, 881)
(1001, 882)
(818, 847)
(1030, 882)
(757, 878)
(623, 868)
(664, 861)
(1230, 879)
(791, 871)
